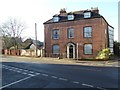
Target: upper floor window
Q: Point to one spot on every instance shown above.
(111, 36)
(88, 49)
(87, 14)
(70, 33)
(70, 17)
(87, 32)
(55, 34)
(56, 19)
(56, 49)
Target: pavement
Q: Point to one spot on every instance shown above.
(30, 72)
(108, 63)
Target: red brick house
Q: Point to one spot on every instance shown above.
(78, 34)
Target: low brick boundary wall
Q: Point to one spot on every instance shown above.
(11, 52)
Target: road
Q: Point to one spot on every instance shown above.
(51, 75)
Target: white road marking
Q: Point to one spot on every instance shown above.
(90, 69)
(25, 70)
(76, 82)
(6, 68)
(14, 70)
(31, 74)
(54, 77)
(3, 67)
(15, 82)
(37, 73)
(63, 79)
(44, 74)
(24, 73)
(13, 67)
(18, 71)
(10, 69)
(101, 88)
(87, 85)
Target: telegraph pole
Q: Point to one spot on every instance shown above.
(36, 37)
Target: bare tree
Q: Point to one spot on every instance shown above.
(11, 30)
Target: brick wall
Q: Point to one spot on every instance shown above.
(98, 35)
(11, 52)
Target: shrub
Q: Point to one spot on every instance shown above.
(104, 54)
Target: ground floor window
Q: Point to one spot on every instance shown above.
(88, 49)
(56, 49)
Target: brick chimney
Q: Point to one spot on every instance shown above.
(95, 10)
(63, 12)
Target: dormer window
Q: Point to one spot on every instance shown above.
(56, 18)
(87, 14)
(70, 17)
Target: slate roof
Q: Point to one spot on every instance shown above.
(79, 15)
(27, 43)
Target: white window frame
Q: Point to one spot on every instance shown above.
(87, 14)
(87, 34)
(88, 49)
(56, 19)
(70, 17)
(53, 34)
(111, 36)
(56, 49)
(70, 32)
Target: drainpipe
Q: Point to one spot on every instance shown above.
(77, 51)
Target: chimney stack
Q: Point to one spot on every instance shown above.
(95, 10)
(63, 12)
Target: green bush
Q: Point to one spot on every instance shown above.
(104, 54)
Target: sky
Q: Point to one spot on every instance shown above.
(39, 11)
(119, 22)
